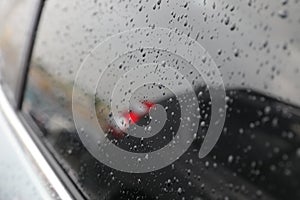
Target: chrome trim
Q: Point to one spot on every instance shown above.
(22, 134)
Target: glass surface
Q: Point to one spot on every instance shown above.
(170, 99)
(16, 20)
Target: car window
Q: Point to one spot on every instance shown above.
(170, 99)
(16, 20)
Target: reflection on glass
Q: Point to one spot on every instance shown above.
(254, 46)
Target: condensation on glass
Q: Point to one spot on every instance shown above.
(254, 47)
(16, 20)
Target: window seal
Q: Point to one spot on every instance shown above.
(26, 140)
(26, 57)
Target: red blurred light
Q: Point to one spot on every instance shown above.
(134, 118)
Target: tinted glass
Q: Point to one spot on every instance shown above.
(16, 20)
(170, 99)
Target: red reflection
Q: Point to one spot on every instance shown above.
(129, 118)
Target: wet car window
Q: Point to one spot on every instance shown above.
(16, 17)
(170, 99)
